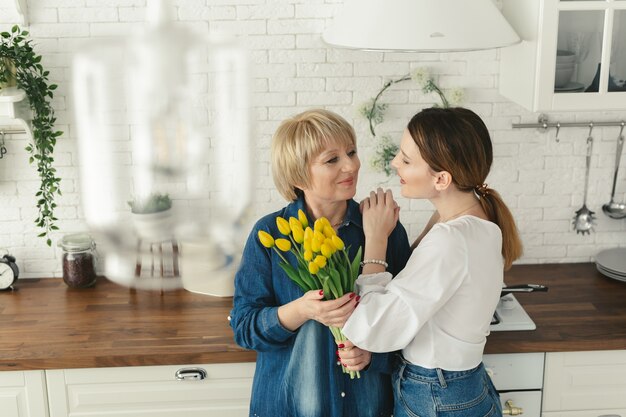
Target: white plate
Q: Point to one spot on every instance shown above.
(571, 86)
(600, 267)
(610, 275)
(613, 259)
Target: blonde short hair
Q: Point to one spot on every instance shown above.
(301, 138)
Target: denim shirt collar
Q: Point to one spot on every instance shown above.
(353, 213)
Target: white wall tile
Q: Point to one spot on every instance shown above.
(292, 70)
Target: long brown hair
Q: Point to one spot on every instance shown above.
(456, 140)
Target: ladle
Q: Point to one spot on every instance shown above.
(584, 218)
(613, 209)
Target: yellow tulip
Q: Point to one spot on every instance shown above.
(303, 219)
(320, 261)
(318, 235)
(283, 244)
(266, 239)
(338, 243)
(307, 244)
(329, 231)
(283, 226)
(326, 221)
(295, 224)
(316, 245)
(313, 268)
(308, 233)
(298, 234)
(308, 255)
(326, 250)
(319, 224)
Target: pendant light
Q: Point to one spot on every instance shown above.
(420, 25)
(165, 154)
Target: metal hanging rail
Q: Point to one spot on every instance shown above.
(544, 124)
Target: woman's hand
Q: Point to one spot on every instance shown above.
(380, 214)
(352, 357)
(311, 306)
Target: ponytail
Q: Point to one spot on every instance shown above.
(499, 213)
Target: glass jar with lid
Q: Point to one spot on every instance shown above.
(78, 260)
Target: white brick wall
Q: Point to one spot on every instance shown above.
(293, 69)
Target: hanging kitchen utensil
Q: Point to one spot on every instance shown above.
(3, 149)
(613, 209)
(584, 219)
(165, 154)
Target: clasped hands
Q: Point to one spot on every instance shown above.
(335, 313)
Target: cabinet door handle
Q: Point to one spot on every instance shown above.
(510, 410)
(190, 374)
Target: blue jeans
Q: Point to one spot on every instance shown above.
(423, 392)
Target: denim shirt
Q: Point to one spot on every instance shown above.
(297, 374)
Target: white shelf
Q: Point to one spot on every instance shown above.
(14, 111)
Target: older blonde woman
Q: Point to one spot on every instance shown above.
(315, 167)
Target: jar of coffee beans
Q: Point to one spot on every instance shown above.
(78, 260)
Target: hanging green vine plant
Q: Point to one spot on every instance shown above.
(21, 66)
(374, 112)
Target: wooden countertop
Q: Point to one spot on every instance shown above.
(46, 325)
(582, 310)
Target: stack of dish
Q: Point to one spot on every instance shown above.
(612, 263)
(565, 62)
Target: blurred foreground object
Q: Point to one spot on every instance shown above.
(165, 154)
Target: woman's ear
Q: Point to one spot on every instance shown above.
(443, 179)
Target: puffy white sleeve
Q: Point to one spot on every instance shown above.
(391, 312)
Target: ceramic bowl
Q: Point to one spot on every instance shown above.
(562, 76)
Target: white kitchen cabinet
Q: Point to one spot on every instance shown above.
(590, 34)
(518, 377)
(150, 391)
(22, 394)
(578, 384)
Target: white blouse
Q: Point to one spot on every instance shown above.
(439, 307)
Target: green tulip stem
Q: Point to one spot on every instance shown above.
(280, 254)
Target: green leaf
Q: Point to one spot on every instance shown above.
(354, 269)
(327, 291)
(335, 281)
(293, 275)
(15, 28)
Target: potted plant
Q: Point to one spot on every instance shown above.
(152, 217)
(21, 66)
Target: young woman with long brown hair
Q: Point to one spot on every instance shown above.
(437, 311)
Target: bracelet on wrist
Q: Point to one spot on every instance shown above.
(374, 261)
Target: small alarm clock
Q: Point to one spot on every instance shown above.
(8, 272)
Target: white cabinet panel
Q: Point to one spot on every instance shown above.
(585, 381)
(587, 413)
(22, 394)
(528, 401)
(515, 371)
(150, 391)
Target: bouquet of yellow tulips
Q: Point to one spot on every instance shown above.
(323, 261)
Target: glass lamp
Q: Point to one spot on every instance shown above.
(165, 154)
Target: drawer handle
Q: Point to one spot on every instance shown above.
(190, 374)
(510, 410)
